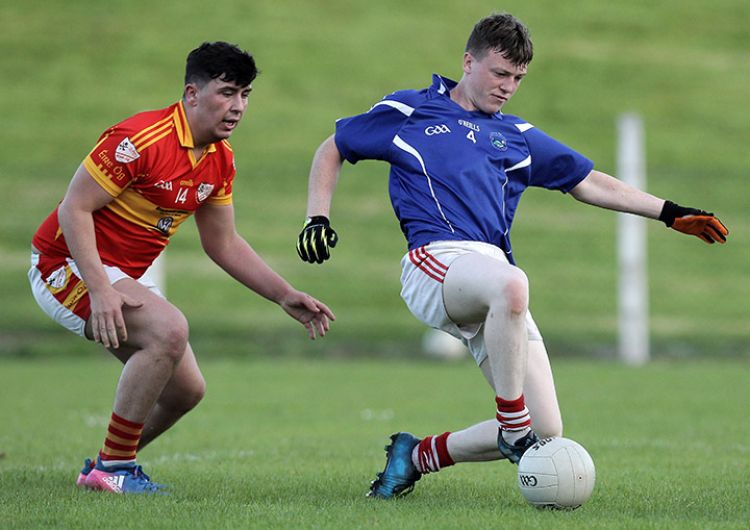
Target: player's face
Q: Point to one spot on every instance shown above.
(217, 108)
(491, 80)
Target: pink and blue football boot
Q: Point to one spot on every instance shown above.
(121, 480)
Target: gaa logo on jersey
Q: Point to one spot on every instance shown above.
(164, 224)
(436, 129)
(204, 190)
(498, 141)
(126, 152)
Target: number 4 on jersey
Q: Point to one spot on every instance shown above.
(470, 136)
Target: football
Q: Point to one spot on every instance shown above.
(556, 473)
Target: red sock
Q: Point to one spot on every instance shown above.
(512, 415)
(121, 443)
(432, 454)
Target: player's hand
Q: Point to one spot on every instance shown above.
(316, 240)
(312, 313)
(107, 322)
(695, 222)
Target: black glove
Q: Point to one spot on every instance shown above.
(315, 239)
(694, 222)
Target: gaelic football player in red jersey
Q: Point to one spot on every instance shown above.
(143, 178)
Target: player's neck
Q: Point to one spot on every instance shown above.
(458, 95)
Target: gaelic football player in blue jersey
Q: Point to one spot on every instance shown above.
(458, 169)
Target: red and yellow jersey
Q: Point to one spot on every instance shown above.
(147, 164)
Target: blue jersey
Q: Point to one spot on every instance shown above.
(456, 174)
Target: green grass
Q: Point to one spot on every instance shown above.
(71, 69)
(294, 444)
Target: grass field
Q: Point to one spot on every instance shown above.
(294, 444)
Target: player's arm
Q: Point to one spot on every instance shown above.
(234, 254)
(75, 215)
(317, 236)
(605, 191)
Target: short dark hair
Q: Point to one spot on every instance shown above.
(504, 34)
(212, 60)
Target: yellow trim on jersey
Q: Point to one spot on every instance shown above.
(222, 200)
(101, 176)
(184, 134)
(71, 301)
(137, 209)
(154, 139)
(137, 137)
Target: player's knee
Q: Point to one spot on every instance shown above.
(174, 338)
(515, 292)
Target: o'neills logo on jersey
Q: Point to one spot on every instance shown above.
(164, 224)
(498, 141)
(469, 125)
(204, 190)
(126, 152)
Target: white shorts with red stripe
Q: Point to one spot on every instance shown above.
(60, 292)
(422, 273)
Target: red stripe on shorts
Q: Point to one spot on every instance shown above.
(428, 264)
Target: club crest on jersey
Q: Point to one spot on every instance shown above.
(164, 224)
(204, 190)
(126, 152)
(498, 141)
(58, 279)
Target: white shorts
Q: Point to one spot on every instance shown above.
(60, 292)
(422, 273)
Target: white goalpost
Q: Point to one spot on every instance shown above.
(633, 306)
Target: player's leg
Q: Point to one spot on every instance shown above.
(183, 393)
(157, 340)
(411, 457)
(478, 443)
(484, 289)
(541, 396)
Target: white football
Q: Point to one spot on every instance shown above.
(556, 473)
(444, 346)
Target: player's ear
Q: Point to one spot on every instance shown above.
(191, 94)
(468, 61)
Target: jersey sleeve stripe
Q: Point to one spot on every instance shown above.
(97, 171)
(523, 127)
(220, 201)
(526, 162)
(403, 108)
